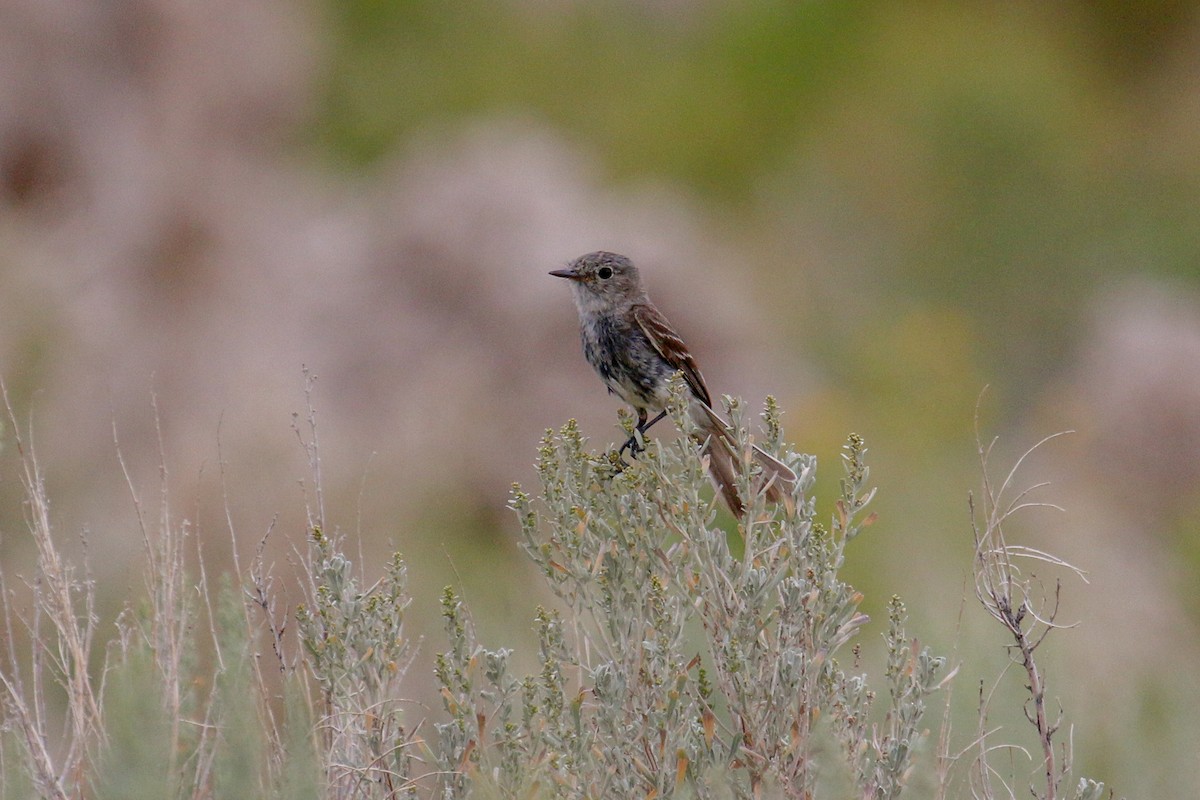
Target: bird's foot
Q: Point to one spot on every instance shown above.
(615, 459)
(634, 444)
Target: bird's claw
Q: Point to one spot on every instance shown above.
(615, 459)
(633, 445)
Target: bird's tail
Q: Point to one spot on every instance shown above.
(776, 479)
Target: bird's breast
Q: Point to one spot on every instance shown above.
(626, 361)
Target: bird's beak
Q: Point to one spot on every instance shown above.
(570, 274)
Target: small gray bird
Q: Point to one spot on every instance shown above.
(632, 346)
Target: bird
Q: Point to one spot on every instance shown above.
(636, 352)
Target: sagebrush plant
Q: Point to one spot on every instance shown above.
(682, 663)
(357, 654)
(681, 659)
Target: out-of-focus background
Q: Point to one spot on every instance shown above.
(869, 210)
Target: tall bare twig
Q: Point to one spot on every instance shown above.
(1018, 599)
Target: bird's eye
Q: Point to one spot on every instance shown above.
(605, 273)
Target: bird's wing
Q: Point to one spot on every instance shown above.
(671, 348)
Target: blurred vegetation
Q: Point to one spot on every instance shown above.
(710, 97)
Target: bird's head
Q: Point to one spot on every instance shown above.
(602, 280)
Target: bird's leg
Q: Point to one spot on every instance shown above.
(648, 425)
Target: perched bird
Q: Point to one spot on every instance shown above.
(636, 352)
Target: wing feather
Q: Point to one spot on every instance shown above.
(671, 348)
